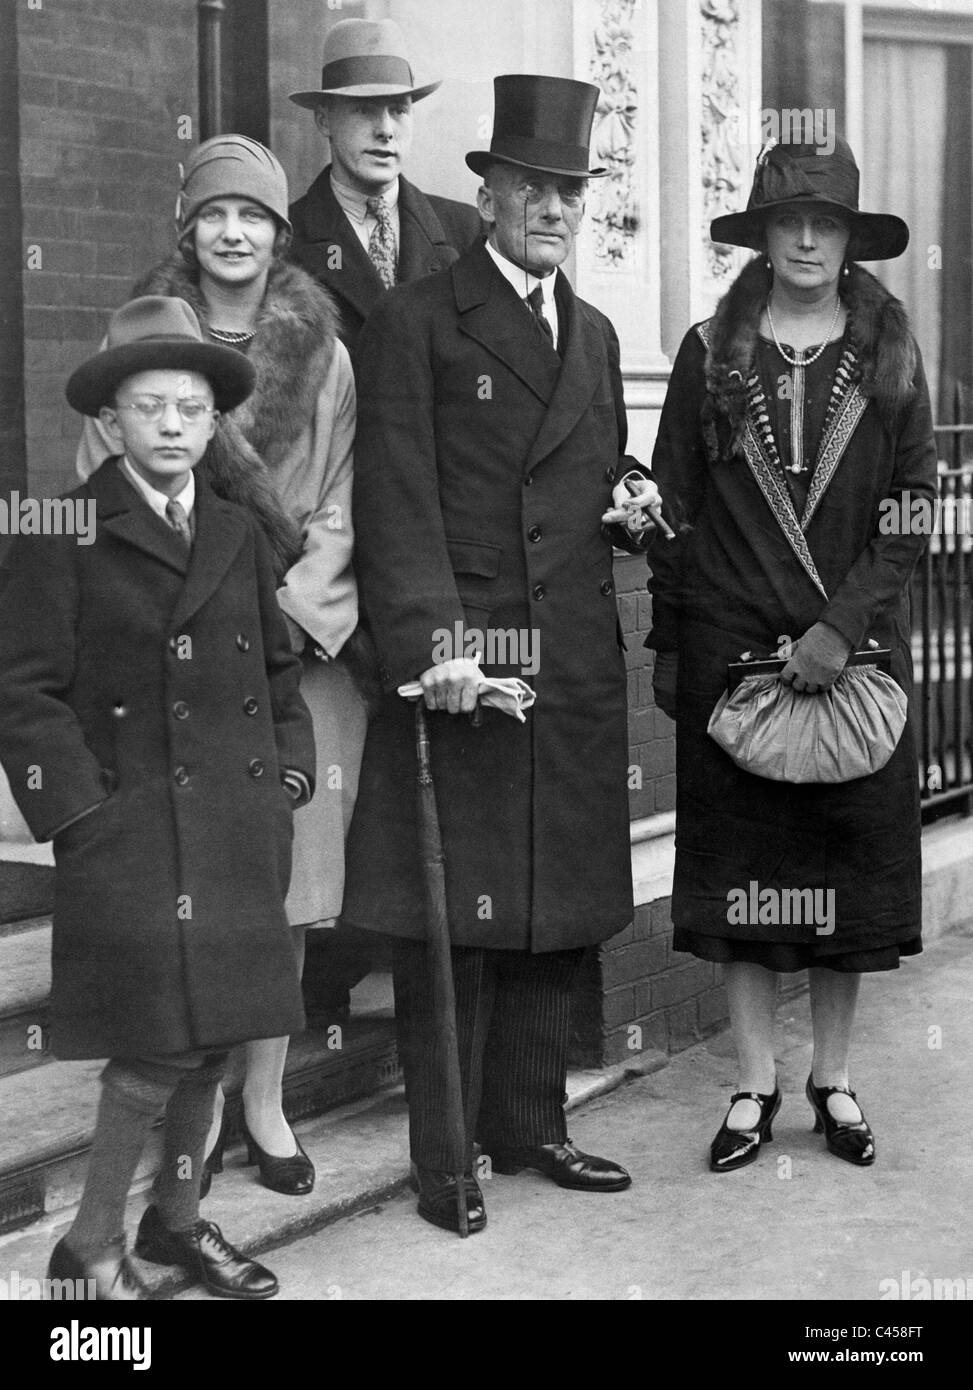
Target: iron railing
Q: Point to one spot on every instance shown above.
(942, 635)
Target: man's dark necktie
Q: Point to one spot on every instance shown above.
(179, 521)
(535, 301)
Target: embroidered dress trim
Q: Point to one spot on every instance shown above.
(847, 405)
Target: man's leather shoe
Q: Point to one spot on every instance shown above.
(202, 1251)
(114, 1281)
(566, 1165)
(437, 1200)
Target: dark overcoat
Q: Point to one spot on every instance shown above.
(432, 233)
(162, 686)
(746, 569)
(483, 464)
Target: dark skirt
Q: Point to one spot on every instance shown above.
(786, 958)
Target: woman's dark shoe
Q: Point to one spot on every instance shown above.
(293, 1176)
(735, 1148)
(437, 1200)
(123, 1287)
(207, 1255)
(214, 1160)
(852, 1142)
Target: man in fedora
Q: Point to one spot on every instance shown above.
(361, 227)
(491, 430)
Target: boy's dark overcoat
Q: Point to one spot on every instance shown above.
(482, 468)
(164, 687)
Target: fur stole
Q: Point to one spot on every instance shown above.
(291, 352)
(878, 329)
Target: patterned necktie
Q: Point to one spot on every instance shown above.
(381, 244)
(535, 301)
(179, 521)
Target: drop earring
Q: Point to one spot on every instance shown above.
(845, 271)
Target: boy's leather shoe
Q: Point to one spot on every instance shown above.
(208, 1257)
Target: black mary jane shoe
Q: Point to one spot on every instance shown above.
(735, 1148)
(566, 1165)
(205, 1253)
(437, 1200)
(124, 1287)
(853, 1142)
(293, 1176)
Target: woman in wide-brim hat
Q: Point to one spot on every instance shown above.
(287, 455)
(790, 415)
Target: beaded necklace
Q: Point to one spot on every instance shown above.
(232, 339)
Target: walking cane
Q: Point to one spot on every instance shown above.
(441, 968)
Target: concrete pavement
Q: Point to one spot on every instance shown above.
(798, 1224)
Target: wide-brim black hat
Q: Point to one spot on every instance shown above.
(541, 123)
(810, 174)
(155, 332)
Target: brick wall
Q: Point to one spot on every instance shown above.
(102, 88)
(651, 734)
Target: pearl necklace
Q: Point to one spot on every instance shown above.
(231, 338)
(806, 362)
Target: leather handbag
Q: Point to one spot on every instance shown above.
(848, 731)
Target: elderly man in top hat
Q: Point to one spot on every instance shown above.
(491, 431)
(361, 227)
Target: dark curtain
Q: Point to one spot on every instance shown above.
(955, 402)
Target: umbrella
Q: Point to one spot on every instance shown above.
(440, 964)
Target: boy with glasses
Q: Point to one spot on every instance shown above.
(152, 726)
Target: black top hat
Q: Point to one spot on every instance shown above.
(808, 174)
(541, 123)
(152, 332)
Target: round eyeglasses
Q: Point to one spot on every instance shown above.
(152, 408)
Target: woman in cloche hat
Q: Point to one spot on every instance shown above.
(287, 455)
(791, 414)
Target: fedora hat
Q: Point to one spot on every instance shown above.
(541, 123)
(364, 58)
(807, 174)
(153, 332)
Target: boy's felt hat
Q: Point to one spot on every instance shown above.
(154, 332)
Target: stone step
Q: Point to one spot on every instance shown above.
(25, 981)
(49, 1111)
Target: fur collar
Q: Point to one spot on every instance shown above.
(291, 351)
(878, 329)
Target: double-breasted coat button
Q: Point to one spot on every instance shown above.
(173, 644)
(538, 591)
(250, 705)
(243, 641)
(529, 480)
(609, 475)
(534, 533)
(255, 767)
(119, 710)
(180, 709)
(608, 587)
(181, 776)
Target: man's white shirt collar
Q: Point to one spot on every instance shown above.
(524, 283)
(157, 500)
(353, 203)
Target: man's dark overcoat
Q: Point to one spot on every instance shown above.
(432, 233)
(164, 687)
(483, 464)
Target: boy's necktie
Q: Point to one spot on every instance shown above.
(381, 243)
(179, 521)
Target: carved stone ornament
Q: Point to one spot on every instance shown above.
(721, 126)
(613, 207)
